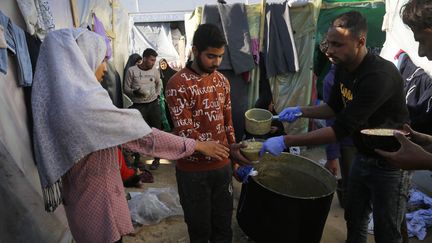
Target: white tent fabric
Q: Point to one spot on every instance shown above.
(156, 36)
(400, 37)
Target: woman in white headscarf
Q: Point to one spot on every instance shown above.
(76, 131)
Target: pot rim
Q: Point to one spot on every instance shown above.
(304, 198)
(258, 121)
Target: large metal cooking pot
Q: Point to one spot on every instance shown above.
(288, 201)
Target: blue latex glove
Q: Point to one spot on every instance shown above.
(290, 114)
(274, 145)
(243, 173)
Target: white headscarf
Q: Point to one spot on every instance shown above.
(73, 115)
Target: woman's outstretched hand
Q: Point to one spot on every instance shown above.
(212, 149)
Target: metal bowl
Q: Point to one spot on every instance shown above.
(381, 138)
(251, 152)
(258, 121)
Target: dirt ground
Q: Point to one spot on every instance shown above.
(174, 230)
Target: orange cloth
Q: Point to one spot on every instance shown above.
(125, 171)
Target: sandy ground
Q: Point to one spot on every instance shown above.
(174, 230)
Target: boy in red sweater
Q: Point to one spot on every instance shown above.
(199, 101)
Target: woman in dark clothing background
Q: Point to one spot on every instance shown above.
(133, 60)
(166, 72)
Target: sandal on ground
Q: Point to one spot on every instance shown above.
(146, 177)
(155, 164)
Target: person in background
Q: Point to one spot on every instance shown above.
(368, 93)
(198, 98)
(166, 72)
(134, 59)
(76, 133)
(143, 86)
(415, 153)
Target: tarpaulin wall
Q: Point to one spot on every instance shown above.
(294, 89)
(21, 206)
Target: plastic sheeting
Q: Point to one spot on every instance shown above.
(21, 204)
(295, 88)
(156, 36)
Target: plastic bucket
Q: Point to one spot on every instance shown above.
(288, 201)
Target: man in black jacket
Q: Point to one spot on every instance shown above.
(368, 93)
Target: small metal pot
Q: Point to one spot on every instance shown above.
(258, 121)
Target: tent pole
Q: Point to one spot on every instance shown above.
(73, 5)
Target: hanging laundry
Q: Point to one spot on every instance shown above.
(37, 16)
(236, 29)
(16, 42)
(100, 29)
(232, 20)
(279, 47)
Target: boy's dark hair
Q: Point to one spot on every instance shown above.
(149, 52)
(354, 21)
(417, 14)
(208, 35)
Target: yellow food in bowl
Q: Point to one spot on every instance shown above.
(379, 131)
(251, 152)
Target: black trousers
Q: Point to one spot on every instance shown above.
(207, 201)
(151, 113)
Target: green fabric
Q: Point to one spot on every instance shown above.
(374, 13)
(165, 124)
(253, 15)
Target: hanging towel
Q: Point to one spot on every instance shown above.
(17, 44)
(4, 22)
(236, 29)
(210, 15)
(24, 66)
(279, 47)
(37, 16)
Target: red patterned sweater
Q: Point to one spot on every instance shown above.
(200, 108)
